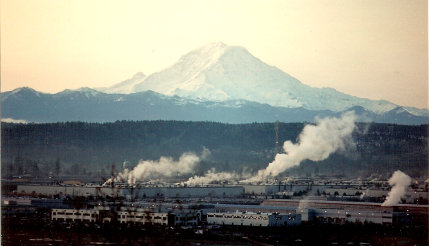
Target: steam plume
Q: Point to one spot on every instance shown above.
(212, 176)
(399, 182)
(315, 142)
(164, 167)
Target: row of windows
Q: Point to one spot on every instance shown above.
(141, 217)
(69, 219)
(238, 216)
(77, 214)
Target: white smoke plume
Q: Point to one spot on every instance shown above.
(214, 177)
(315, 142)
(164, 167)
(399, 182)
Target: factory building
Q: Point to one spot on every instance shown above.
(253, 219)
(410, 196)
(128, 215)
(337, 212)
(133, 193)
(354, 212)
(72, 215)
(143, 217)
(212, 191)
(328, 214)
(147, 217)
(222, 208)
(186, 192)
(70, 190)
(263, 190)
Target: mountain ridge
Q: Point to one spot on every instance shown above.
(90, 105)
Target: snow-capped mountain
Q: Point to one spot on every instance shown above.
(213, 83)
(218, 72)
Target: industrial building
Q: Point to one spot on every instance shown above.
(223, 208)
(143, 217)
(323, 211)
(354, 212)
(133, 192)
(281, 190)
(128, 215)
(184, 192)
(72, 215)
(253, 219)
(69, 190)
(148, 217)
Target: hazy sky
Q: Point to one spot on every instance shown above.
(374, 49)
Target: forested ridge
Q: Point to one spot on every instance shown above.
(91, 148)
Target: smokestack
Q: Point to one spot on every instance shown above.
(399, 182)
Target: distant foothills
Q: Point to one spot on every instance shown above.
(88, 105)
(217, 83)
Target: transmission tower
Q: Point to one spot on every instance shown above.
(276, 127)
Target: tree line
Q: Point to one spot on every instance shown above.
(92, 148)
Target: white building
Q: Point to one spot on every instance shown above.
(72, 215)
(253, 219)
(351, 216)
(337, 211)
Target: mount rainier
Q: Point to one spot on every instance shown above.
(216, 83)
(218, 72)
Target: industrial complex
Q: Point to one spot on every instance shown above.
(282, 204)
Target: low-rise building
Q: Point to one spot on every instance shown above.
(253, 219)
(72, 215)
(141, 216)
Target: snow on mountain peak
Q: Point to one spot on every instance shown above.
(187, 74)
(203, 57)
(125, 87)
(20, 92)
(88, 91)
(139, 75)
(24, 89)
(211, 48)
(219, 72)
